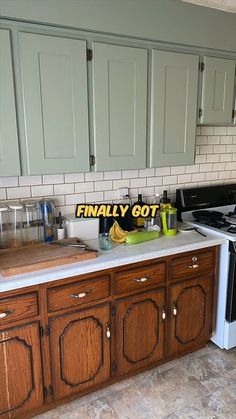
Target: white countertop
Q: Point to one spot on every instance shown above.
(120, 255)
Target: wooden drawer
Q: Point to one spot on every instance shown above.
(78, 293)
(18, 308)
(191, 264)
(139, 278)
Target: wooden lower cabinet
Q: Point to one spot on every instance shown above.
(21, 384)
(191, 313)
(139, 330)
(80, 350)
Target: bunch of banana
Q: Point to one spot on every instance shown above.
(117, 234)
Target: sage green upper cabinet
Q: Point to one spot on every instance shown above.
(9, 152)
(217, 91)
(54, 83)
(120, 98)
(174, 88)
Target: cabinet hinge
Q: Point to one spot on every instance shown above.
(201, 66)
(44, 331)
(89, 54)
(113, 311)
(233, 113)
(200, 112)
(114, 366)
(92, 160)
(48, 391)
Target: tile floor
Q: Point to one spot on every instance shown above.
(200, 385)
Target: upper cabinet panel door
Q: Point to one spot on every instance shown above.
(54, 81)
(217, 91)
(173, 108)
(9, 152)
(120, 97)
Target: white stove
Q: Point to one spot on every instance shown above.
(225, 333)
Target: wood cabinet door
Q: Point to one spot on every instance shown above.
(191, 314)
(54, 84)
(9, 151)
(21, 387)
(174, 89)
(217, 91)
(80, 350)
(139, 330)
(120, 98)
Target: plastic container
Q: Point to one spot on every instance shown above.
(4, 226)
(30, 223)
(16, 224)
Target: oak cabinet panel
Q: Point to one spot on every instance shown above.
(174, 90)
(80, 350)
(18, 308)
(191, 313)
(217, 91)
(54, 84)
(9, 151)
(120, 97)
(139, 331)
(21, 387)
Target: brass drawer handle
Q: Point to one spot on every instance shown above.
(80, 295)
(6, 313)
(195, 266)
(144, 279)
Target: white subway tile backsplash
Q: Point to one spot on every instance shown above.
(74, 177)
(18, 193)
(112, 175)
(128, 174)
(30, 180)
(104, 185)
(6, 182)
(52, 179)
(93, 176)
(94, 197)
(215, 163)
(64, 189)
(43, 190)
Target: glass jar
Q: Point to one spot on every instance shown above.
(48, 219)
(30, 223)
(16, 224)
(4, 226)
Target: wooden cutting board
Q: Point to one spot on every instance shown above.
(40, 256)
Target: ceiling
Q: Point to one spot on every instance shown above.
(226, 5)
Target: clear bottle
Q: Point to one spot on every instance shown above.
(4, 226)
(16, 224)
(154, 223)
(30, 223)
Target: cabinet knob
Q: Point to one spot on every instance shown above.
(195, 266)
(175, 310)
(144, 279)
(163, 314)
(108, 331)
(6, 313)
(80, 295)
(194, 259)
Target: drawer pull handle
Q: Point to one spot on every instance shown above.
(195, 266)
(194, 259)
(108, 331)
(163, 314)
(175, 311)
(6, 313)
(80, 295)
(144, 279)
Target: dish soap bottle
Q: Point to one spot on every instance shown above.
(139, 221)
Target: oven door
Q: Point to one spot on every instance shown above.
(231, 292)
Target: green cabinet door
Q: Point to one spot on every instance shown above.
(9, 152)
(119, 99)
(54, 84)
(217, 91)
(174, 86)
